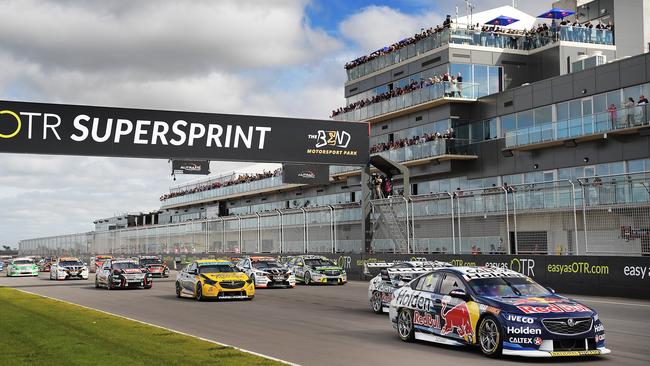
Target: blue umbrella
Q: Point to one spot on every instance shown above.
(502, 20)
(556, 13)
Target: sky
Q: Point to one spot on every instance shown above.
(275, 58)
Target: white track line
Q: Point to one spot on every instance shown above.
(613, 302)
(165, 328)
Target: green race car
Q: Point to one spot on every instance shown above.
(22, 267)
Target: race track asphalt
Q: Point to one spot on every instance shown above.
(326, 325)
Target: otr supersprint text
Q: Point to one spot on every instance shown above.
(141, 132)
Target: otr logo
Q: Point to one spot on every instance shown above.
(18, 124)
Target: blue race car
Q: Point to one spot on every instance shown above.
(501, 311)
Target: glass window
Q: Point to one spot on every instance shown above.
(600, 103)
(451, 282)
(636, 166)
(491, 129)
(633, 92)
(477, 131)
(617, 168)
(524, 119)
(495, 79)
(481, 78)
(602, 169)
(428, 282)
(614, 97)
(575, 109)
(543, 115)
(562, 111)
(508, 123)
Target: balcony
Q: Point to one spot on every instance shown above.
(440, 150)
(250, 188)
(590, 127)
(470, 37)
(422, 98)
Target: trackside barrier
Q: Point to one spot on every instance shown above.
(600, 215)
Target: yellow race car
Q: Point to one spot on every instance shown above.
(214, 279)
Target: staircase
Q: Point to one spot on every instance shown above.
(395, 230)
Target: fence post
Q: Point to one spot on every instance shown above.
(453, 224)
(259, 235)
(207, 235)
(305, 231)
(514, 219)
(332, 227)
(575, 215)
(507, 219)
(408, 231)
(584, 215)
(460, 234)
(280, 228)
(223, 233)
(412, 222)
(240, 234)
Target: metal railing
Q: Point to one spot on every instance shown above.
(443, 89)
(224, 191)
(460, 34)
(424, 150)
(592, 215)
(581, 126)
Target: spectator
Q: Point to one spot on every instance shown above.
(459, 84)
(376, 184)
(612, 115)
(642, 103)
(447, 22)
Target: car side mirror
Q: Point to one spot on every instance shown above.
(550, 290)
(193, 272)
(300, 265)
(459, 294)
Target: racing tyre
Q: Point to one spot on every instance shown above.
(490, 337)
(199, 292)
(96, 283)
(178, 290)
(375, 303)
(307, 278)
(405, 327)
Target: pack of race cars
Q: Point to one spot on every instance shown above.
(500, 311)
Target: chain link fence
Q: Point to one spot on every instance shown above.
(595, 215)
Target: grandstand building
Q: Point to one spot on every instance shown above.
(537, 149)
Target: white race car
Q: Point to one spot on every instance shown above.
(393, 276)
(66, 268)
(267, 272)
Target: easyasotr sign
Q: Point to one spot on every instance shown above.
(39, 128)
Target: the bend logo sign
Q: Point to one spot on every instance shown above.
(18, 124)
(323, 138)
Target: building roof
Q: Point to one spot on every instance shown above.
(526, 21)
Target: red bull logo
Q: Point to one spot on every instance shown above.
(536, 300)
(553, 308)
(457, 320)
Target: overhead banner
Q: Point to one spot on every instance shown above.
(305, 174)
(200, 167)
(39, 128)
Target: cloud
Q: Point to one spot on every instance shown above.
(142, 39)
(374, 27)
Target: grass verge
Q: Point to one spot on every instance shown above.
(35, 330)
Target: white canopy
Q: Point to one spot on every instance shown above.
(526, 21)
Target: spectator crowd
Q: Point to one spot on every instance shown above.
(242, 178)
(451, 87)
(535, 37)
(398, 144)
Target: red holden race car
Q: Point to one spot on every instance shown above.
(97, 261)
(153, 265)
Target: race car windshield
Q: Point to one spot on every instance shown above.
(508, 287)
(23, 261)
(125, 265)
(146, 262)
(217, 268)
(266, 264)
(70, 263)
(318, 262)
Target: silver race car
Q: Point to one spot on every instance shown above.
(267, 272)
(393, 276)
